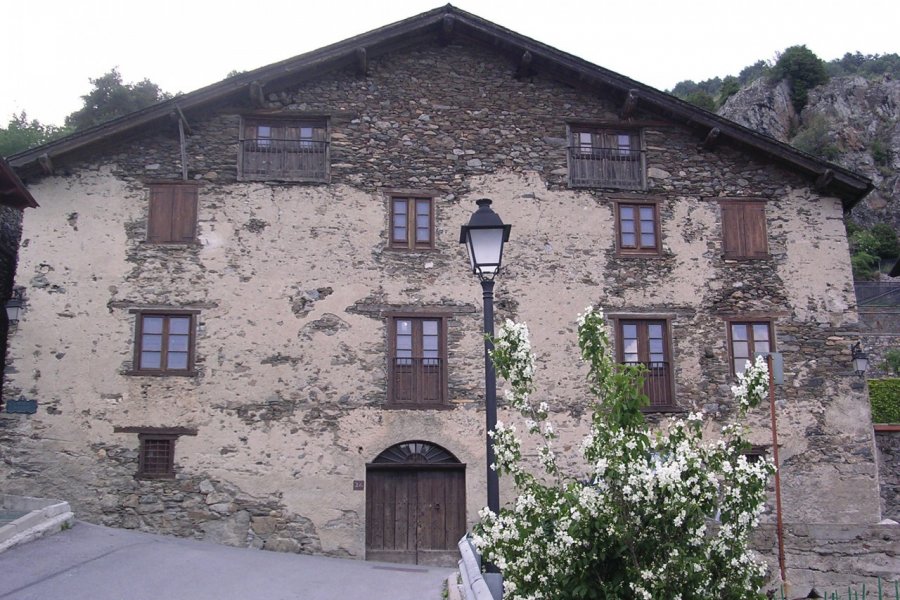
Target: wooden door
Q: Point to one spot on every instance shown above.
(415, 515)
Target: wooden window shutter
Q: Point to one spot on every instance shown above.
(744, 229)
(173, 213)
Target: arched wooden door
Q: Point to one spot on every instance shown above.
(415, 505)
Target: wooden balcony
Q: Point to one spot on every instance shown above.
(268, 159)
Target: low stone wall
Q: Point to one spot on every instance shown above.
(832, 556)
(888, 444)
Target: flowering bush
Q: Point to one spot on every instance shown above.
(648, 515)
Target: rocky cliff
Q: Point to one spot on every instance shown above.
(851, 121)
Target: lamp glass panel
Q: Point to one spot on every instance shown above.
(486, 246)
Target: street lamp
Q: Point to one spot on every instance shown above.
(484, 237)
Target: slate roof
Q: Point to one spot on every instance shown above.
(443, 24)
(12, 191)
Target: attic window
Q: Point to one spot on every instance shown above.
(609, 158)
(274, 149)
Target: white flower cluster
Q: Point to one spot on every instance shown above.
(753, 384)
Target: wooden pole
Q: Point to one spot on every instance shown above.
(779, 523)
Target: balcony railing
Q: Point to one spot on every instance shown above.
(417, 380)
(657, 383)
(289, 160)
(606, 167)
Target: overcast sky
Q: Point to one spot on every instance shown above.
(52, 47)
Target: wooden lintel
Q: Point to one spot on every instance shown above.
(362, 62)
(46, 164)
(631, 101)
(257, 95)
(525, 61)
(712, 138)
(447, 24)
(824, 180)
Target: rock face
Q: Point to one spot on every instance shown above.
(859, 122)
(765, 107)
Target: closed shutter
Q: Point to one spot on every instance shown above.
(744, 229)
(173, 213)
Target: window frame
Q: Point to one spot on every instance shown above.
(301, 122)
(749, 321)
(412, 199)
(637, 203)
(391, 320)
(578, 149)
(169, 472)
(737, 229)
(154, 189)
(668, 347)
(163, 371)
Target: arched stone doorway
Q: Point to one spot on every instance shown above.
(415, 505)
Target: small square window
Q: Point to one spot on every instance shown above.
(637, 228)
(164, 344)
(412, 223)
(173, 213)
(156, 458)
(745, 339)
(744, 229)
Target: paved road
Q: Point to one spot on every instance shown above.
(89, 562)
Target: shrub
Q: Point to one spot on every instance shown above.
(644, 516)
(892, 361)
(803, 70)
(815, 138)
(701, 99)
(864, 265)
(885, 241)
(884, 394)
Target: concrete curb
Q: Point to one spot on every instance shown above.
(44, 517)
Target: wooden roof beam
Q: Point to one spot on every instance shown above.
(257, 95)
(712, 138)
(46, 164)
(362, 62)
(824, 180)
(448, 24)
(631, 102)
(524, 69)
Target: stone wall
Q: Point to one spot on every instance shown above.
(293, 282)
(10, 233)
(888, 444)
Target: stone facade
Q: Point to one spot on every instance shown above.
(292, 284)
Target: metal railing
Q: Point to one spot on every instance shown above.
(883, 590)
(418, 380)
(299, 160)
(877, 293)
(657, 383)
(608, 167)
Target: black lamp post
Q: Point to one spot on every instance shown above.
(484, 237)
(860, 359)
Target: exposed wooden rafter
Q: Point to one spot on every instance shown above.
(257, 95)
(362, 62)
(712, 138)
(631, 102)
(178, 116)
(824, 180)
(46, 164)
(525, 61)
(447, 26)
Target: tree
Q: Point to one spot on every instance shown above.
(803, 70)
(645, 516)
(730, 87)
(111, 98)
(21, 134)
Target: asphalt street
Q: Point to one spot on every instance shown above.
(91, 562)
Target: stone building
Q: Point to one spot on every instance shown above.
(250, 319)
(14, 199)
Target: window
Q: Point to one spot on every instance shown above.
(645, 342)
(605, 158)
(156, 457)
(173, 213)
(284, 150)
(417, 359)
(744, 229)
(165, 344)
(637, 228)
(412, 223)
(746, 338)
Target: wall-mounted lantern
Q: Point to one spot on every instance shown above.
(860, 359)
(14, 307)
